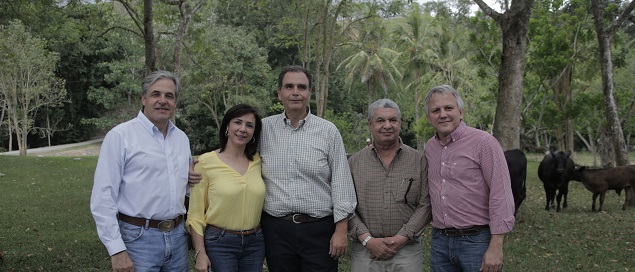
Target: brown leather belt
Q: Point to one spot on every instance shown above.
(162, 225)
(474, 230)
(238, 232)
(299, 218)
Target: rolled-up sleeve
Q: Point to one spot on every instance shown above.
(501, 199)
(343, 189)
(198, 203)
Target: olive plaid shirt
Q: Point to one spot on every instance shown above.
(390, 201)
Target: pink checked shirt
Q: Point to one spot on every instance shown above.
(469, 181)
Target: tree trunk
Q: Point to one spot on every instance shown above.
(184, 24)
(21, 133)
(10, 133)
(148, 37)
(562, 90)
(329, 22)
(4, 108)
(560, 138)
(604, 41)
(606, 150)
(514, 24)
(48, 127)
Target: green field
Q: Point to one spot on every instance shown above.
(47, 226)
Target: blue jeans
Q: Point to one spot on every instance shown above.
(153, 250)
(461, 253)
(234, 252)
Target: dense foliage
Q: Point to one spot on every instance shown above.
(359, 51)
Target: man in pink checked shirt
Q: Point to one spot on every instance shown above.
(470, 190)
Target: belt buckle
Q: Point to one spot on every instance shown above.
(166, 225)
(293, 218)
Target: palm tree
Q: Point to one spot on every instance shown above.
(373, 63)
(414, 34)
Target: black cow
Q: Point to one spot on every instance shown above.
(517, 164)
(555, 171)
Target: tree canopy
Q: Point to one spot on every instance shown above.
(532, 73)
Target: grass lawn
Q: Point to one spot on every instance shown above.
(47, 226)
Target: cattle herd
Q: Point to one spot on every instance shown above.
(556, 170)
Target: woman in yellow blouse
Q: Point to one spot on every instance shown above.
(225, 207)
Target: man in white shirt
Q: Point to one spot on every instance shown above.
(140, 184)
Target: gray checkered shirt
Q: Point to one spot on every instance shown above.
(305, 169)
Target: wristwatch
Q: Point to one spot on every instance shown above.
(366, 240)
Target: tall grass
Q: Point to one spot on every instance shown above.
(46, 225)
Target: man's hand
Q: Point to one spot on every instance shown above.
(121, 262)
(398, 242)
(380, 248)
(339, 241)
(193, 177)
(493, 258)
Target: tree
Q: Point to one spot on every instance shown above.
(605, 34)
(514, 24)
(231, 72)
(414, 34)
(27, 79)
(561, 36)
(2, 113)
(325, 46)
(372, 66)
(372, 63)
(145, 29)
(186, 11)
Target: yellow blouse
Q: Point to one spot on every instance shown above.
(224, 198)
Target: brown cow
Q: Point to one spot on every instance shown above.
(598, 181)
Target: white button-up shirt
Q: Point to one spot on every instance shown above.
(141, 174)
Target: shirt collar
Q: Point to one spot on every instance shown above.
(398, 149)
(455, 135)
(301, 122)
(149, 126)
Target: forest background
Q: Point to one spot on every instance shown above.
(71, 70)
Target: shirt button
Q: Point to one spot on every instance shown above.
(443, 197)
(443, 180)
(445, 147)
(445, 214)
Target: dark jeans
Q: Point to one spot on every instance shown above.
(303, 247)
(234, 252)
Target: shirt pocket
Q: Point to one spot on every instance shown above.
(407, 191)
(464, 171)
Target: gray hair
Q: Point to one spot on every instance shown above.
(156, 75)
(382, 103)
(443, 89)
